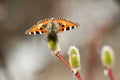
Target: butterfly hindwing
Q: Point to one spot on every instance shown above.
(65, 25)
(39, 28)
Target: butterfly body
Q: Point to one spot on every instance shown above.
(52, 27)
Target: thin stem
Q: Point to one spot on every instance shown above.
(68, 66)
(77, 74)
(110, 74)
(62, 59)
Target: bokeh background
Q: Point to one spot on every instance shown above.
(24, 57)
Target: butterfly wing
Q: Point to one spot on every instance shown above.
(39, 28)
(65, 25)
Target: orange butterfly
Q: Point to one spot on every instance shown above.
(51, 26)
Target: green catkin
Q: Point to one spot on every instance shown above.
(74, 58)
(107, 57)
(52, 42)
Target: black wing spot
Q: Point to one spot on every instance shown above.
(32, 33)
(67, 28)
(62, 29)
(42, 31)
(72, 27)
(41, 28)
(37, 32)
(62, 25)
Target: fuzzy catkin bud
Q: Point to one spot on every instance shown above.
(107, 57)
(74, 58)
(53, 42)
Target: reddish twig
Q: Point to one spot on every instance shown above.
(110, 74)
(68, 66)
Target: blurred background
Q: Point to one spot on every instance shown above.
(24, 57)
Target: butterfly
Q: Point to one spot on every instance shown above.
(52, 26)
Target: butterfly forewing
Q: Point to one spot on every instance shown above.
(65, 25)
(36, 30)
(39, 28)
